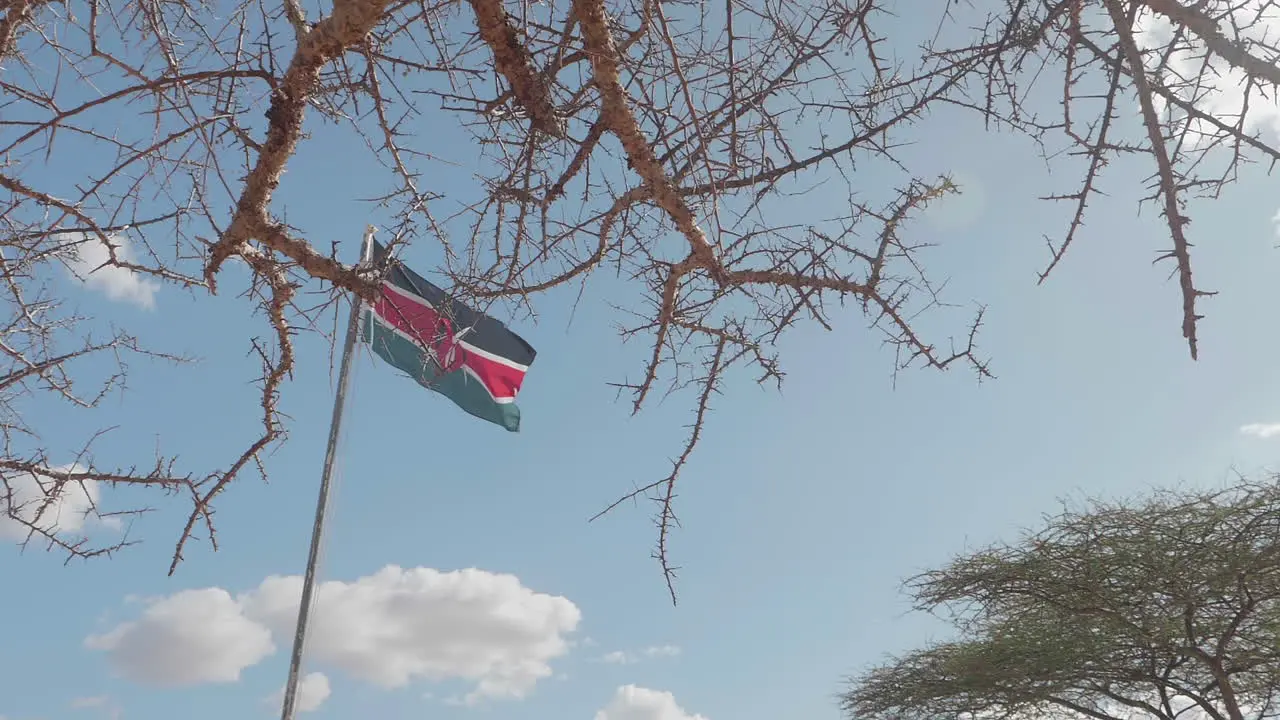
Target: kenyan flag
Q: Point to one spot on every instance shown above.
(467, 356)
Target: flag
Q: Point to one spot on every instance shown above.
(465, 355)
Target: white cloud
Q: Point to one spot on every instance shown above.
(636, 703)
(398, 625)
(53, 507)
(85, 260)
(620, 657)
(1261, 430)
(1221, 91)
(104, 704)
(313, 690)
(188, 638)
(391, 628)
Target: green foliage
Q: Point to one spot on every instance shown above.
(1157, 608)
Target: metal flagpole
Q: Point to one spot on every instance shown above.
(326, 476)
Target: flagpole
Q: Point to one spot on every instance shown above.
(322, 502)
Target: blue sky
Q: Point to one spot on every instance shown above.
(802, 510)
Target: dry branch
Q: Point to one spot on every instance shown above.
(512, 60)
(723, 114)
(16, 14)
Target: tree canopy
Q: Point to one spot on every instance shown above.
(656, 141)
(1117, 610)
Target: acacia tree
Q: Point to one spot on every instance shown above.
(655, 140)
(1160, 608)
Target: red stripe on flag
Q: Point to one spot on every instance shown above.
(436, 334)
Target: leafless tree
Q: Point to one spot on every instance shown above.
(657, 140)
(1176, 84)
